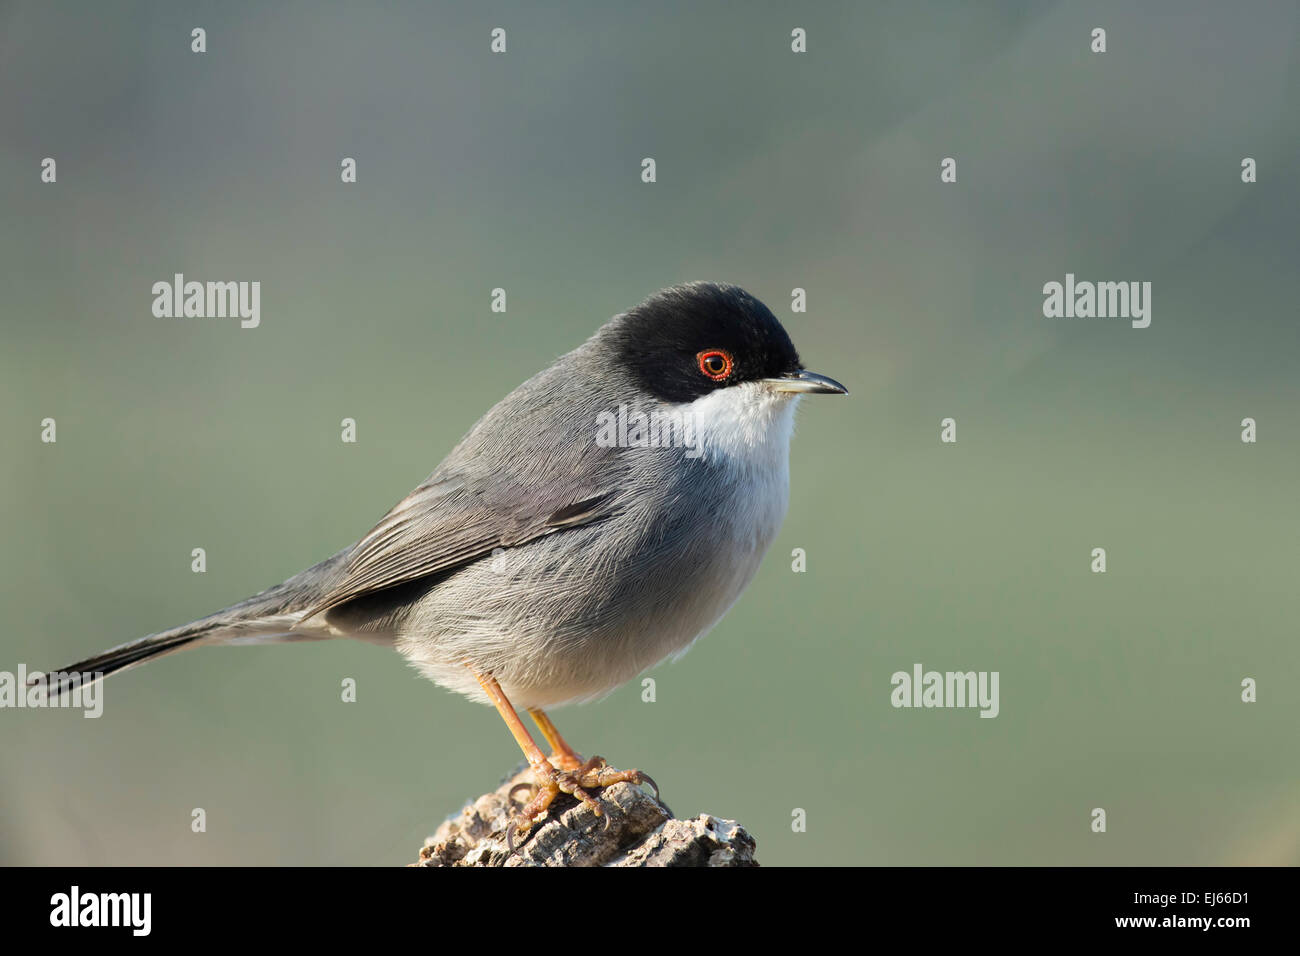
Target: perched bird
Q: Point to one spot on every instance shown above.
(597, 520)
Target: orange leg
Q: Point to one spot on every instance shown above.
(592, 775)
(562, 755)
(507, 711)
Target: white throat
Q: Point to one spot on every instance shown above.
(749, 424)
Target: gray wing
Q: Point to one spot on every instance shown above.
(449, 521)
(530, 467)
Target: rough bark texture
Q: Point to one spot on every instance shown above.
(635, 830)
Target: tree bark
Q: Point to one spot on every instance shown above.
(634, 830)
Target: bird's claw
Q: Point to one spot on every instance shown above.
(595, 774)
(530, 787)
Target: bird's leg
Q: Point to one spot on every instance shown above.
(562, 755)
(592, 775)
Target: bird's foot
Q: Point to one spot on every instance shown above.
(576, 781)
(565, 761)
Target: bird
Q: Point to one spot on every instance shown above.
(596, 521)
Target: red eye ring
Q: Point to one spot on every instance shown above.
(714, 363)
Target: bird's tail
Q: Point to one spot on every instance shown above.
(268, 617)
(126, 655)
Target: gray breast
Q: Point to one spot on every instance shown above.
(575, 614)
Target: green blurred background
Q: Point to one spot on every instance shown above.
(775, 170)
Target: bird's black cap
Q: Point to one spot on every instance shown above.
(687, 341)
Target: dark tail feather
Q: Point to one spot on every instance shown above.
(124, 656)
(269, 616)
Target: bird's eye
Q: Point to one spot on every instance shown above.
(715, 364)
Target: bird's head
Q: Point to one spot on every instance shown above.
(716, 359)
(690, 341)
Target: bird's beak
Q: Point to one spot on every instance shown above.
(806, 381)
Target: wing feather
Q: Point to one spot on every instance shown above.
(445, 524)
